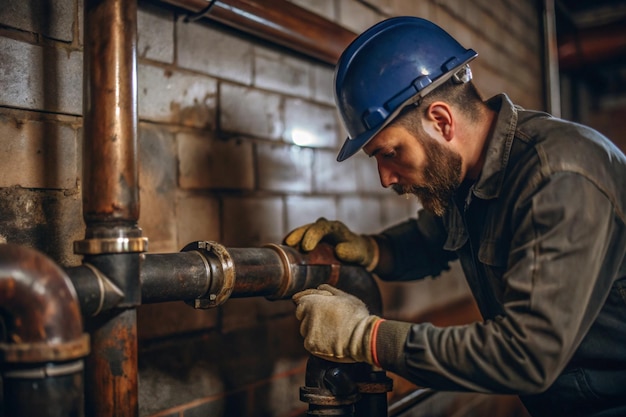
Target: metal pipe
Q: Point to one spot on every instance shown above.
(110, 113)
(43, 343)
(113, 244)
(552, 80)
(276, 21)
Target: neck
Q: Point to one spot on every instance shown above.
(477, 142)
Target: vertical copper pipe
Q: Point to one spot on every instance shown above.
(111, 388)
(110, 112)
(113, 242)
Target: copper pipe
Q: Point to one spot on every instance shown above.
(277, 21)
(113, 242)
(43, 343)
(111, 390)
(110, 112)
(592, 47)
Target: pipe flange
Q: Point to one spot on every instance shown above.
(220, 267)
(99, 246)
(323, 397)
(287, 280)
(44, 352)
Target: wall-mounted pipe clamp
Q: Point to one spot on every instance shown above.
(220, 270)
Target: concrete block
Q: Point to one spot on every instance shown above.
(155, 33)
(37, 154)
(52, 19)
(323, 85)
(361, 215)
(40, 78)
(249, 111)
(282, 73)
(252, 221)
(197, 218)
(284, 168)
(356, 16)
(180, 98)
(207, 48)
(157, 186)
(310, 124)
(301, 210)
(209, 163)
(330, 176)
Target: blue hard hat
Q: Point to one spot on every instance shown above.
(392, 64)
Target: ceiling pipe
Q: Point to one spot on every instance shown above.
(43, 344)
(592, 46)
(276, 21)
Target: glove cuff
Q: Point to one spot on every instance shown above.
(373, 246)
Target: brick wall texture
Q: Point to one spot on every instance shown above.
(237, 144)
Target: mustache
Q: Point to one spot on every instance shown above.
(409, 189)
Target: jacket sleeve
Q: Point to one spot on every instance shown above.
(417, 248)
(558, 276)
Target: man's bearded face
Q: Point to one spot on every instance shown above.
(442, 176)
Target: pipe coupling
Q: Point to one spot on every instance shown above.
(220, 272)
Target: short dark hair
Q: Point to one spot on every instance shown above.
(464, 96)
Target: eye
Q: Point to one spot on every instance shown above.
(389, 154)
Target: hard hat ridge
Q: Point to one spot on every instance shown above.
(392, 64)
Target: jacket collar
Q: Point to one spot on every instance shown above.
(498, 150)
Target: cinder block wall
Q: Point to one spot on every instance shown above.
(220, 114)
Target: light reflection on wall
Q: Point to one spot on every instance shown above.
(303, 137)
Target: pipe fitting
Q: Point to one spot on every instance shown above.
(220, 270)
(41, 303)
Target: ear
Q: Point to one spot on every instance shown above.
(440, 114)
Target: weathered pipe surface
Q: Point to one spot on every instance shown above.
(110, 112)
(112, 366)
(43, 342)
(274, 272)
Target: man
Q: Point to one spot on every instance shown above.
(533, 207)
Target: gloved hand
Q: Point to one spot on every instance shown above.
(349, 247)
(336, 326)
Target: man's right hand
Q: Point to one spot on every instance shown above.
(349, 247)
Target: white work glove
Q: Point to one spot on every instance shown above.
(349, 247)
(336, 326)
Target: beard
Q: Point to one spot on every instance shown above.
(442, 177)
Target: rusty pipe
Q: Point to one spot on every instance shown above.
(113, 244)
(43, 344)
(207, 274)
(110, 113)
(277, 21)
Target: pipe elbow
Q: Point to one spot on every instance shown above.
(40, 307)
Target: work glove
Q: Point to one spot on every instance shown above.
(349, 247)
(336, 326)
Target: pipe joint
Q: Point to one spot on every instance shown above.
(220, 270)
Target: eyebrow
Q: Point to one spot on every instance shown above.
(374, 152)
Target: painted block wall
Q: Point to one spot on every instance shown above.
(222, 117)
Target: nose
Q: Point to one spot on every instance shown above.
(387, 177)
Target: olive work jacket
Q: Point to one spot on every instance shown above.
(541, 238)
